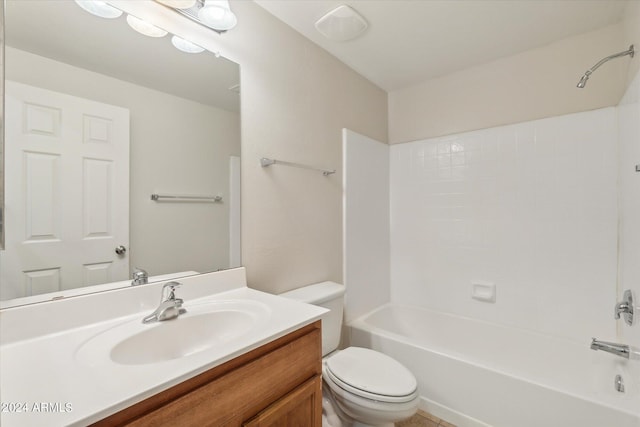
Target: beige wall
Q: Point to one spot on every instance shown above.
(295, 99)
(534, 84)
(631, 27)
(196, 141)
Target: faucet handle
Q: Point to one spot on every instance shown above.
(172, 286)
(620, 307)
(139, 276)
(139, 271)
(625, 307)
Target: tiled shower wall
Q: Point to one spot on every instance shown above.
(629, 184)
(530, 208)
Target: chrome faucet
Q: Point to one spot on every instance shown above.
(140, 277)
(170, 307)
(625, 308)
(621, 350)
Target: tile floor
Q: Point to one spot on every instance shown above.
(424, 419)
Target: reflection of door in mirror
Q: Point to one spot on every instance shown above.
(70, 154)
(184, 140)
(2, 126)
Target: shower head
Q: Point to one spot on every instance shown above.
(583, 80)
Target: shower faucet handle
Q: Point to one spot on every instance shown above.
(625, 308)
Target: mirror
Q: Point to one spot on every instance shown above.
(98, 118)
(1, 126)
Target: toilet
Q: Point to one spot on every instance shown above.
(361, 387)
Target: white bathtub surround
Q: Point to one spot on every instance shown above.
(43, 351)
(529, 207)
(504, 246)
(470, 370)
(629, 214)
(365, 223)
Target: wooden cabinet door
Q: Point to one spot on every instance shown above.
(300, 408)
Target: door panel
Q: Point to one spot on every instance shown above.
(71, 210)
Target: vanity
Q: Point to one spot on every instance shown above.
(237, 357)
(276, 384)
(73, 348)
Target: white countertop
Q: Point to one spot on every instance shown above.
(43, 382)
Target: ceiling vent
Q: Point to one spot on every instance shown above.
(341, 24)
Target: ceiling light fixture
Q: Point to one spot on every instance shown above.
(99, 8)
(104, 10)
(341, 24)
(185, 45)
(213, 14)
(217, 14)
(178, 4)
(143, 27)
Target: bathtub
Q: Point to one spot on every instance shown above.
(472, 373)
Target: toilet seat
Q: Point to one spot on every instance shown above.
(371, 375)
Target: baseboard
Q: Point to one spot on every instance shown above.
(449, 415)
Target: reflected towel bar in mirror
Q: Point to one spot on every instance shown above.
(185, 198)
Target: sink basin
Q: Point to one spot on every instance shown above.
(204, 326)
(182, 336)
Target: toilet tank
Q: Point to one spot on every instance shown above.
(329, 295)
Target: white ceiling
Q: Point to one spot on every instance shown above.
(410, 41)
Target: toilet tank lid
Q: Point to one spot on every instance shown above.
(316, 293)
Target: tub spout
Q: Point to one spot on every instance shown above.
(621, 350)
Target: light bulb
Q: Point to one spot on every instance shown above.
(99, 8)
(185, 45)
(218, 15)
(143, 27)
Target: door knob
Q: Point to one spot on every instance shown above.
(121, 250)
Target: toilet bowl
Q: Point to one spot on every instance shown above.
(370, 387)
(361, 387)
